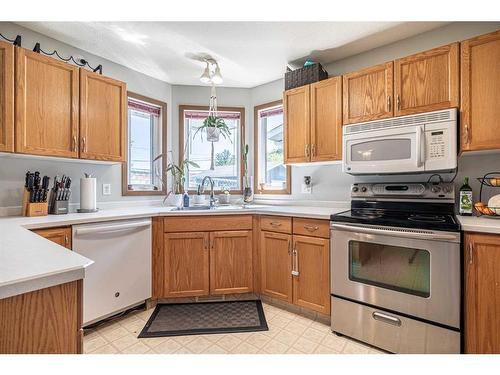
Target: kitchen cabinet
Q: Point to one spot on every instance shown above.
(482, 293)
(46, 105)
(297, 124)
(367, 94)
(186, 264)
(294, 267)
(103, 117)
(276, 265)
(311, 274)
(45, 321)
(61, 235)
(427, 81)
(231, 266)
(6, 97)
(480, 80)
(326, 120)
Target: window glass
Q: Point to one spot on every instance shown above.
(226, 171)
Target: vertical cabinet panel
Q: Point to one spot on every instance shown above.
(297, 125)
(427, 81)
(46, 93)
(482, 293)
(480, 94)
(367, 94)
(311, 280)
(276, 265)
(326, 120)
(186, 264)
(61, 236)
(6, 97)
(103, 117)
(231, 268)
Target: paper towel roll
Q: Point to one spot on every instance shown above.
(88, 193)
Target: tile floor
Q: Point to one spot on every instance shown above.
(288, 333)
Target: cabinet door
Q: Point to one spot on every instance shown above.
(103, 117)
(326, 120)
(367, 94)
(61, 236)
(276, 265)
(480, 95)
(231, 269)
(297, 125)
(46, 104)
(427, 81)
(186, 264)
(6, 97)
(311, 280)
(482, 293)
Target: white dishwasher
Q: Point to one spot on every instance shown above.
(121, 274)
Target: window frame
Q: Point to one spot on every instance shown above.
(189, 107)
(163, 191)
(256, 149)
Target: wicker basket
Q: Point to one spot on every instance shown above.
(304, 76)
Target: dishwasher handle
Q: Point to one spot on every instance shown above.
(113, 227)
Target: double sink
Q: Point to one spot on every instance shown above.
(204, 208)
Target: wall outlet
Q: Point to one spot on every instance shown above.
(106, 189)
(306, 185)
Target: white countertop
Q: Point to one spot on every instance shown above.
(29, 262)
(479, 224)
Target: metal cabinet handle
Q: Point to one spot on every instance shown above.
(313, 149)
(75, 144)
(275, 224)
(307, 151)
(398, 101)
(83, 145)
(289, 247)
(205, 244)
(389, 104)
(295, 261)
(466, 134)
(471, 253)
(311, 228)
(386, 318)
(66, 240)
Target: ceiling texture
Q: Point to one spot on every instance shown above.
(249, 53)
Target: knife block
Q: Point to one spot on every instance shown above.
(34, 209)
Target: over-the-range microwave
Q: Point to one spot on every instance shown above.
(421, 143)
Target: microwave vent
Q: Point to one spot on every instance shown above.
(419, 119)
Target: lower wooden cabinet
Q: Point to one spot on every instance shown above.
(311, 276)
(231, 269)
(482, 293)
(276, 265)
(186, 271)
(61, 235)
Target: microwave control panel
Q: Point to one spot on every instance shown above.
(436, 144)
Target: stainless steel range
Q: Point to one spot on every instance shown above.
(395, 268)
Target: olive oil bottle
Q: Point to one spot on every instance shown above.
(465, 199)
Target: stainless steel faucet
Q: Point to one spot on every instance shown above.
(212, 199)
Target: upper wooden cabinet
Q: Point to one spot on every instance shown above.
(480, 93)
(46, 93)
(231, 269)
(297, 128)
(326, 119)
(482, 293)
(61, 236)
(103, 117)
(367, 94)
(427, 81)
(6, 97)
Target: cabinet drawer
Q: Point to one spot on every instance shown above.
(205, 223)
(276, 224)
(311, 227)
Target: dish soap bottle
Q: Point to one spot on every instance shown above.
(185, 199)
(465, 199)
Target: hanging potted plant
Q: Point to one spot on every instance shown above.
(215, 127)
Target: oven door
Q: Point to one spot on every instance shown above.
(396, 150)
(414, 272)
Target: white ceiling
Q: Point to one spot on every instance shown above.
(249, 53)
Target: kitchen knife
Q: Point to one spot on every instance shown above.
(31, 179)
(45, 187)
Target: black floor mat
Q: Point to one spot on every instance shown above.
(198, 318)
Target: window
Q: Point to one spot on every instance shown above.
(227, 169)
(271, 174)
(147, 129)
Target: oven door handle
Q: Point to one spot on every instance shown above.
(397, 232)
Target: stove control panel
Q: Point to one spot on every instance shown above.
(442, 190)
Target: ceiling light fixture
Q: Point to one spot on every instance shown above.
(206, 76)
(211, 74)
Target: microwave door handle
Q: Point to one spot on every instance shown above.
(418, 145)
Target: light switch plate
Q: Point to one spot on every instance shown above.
(306, 189)
(106, 189)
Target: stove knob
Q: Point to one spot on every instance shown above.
(446, 189)
(436, 189)
(363, 189)
(355, 189)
